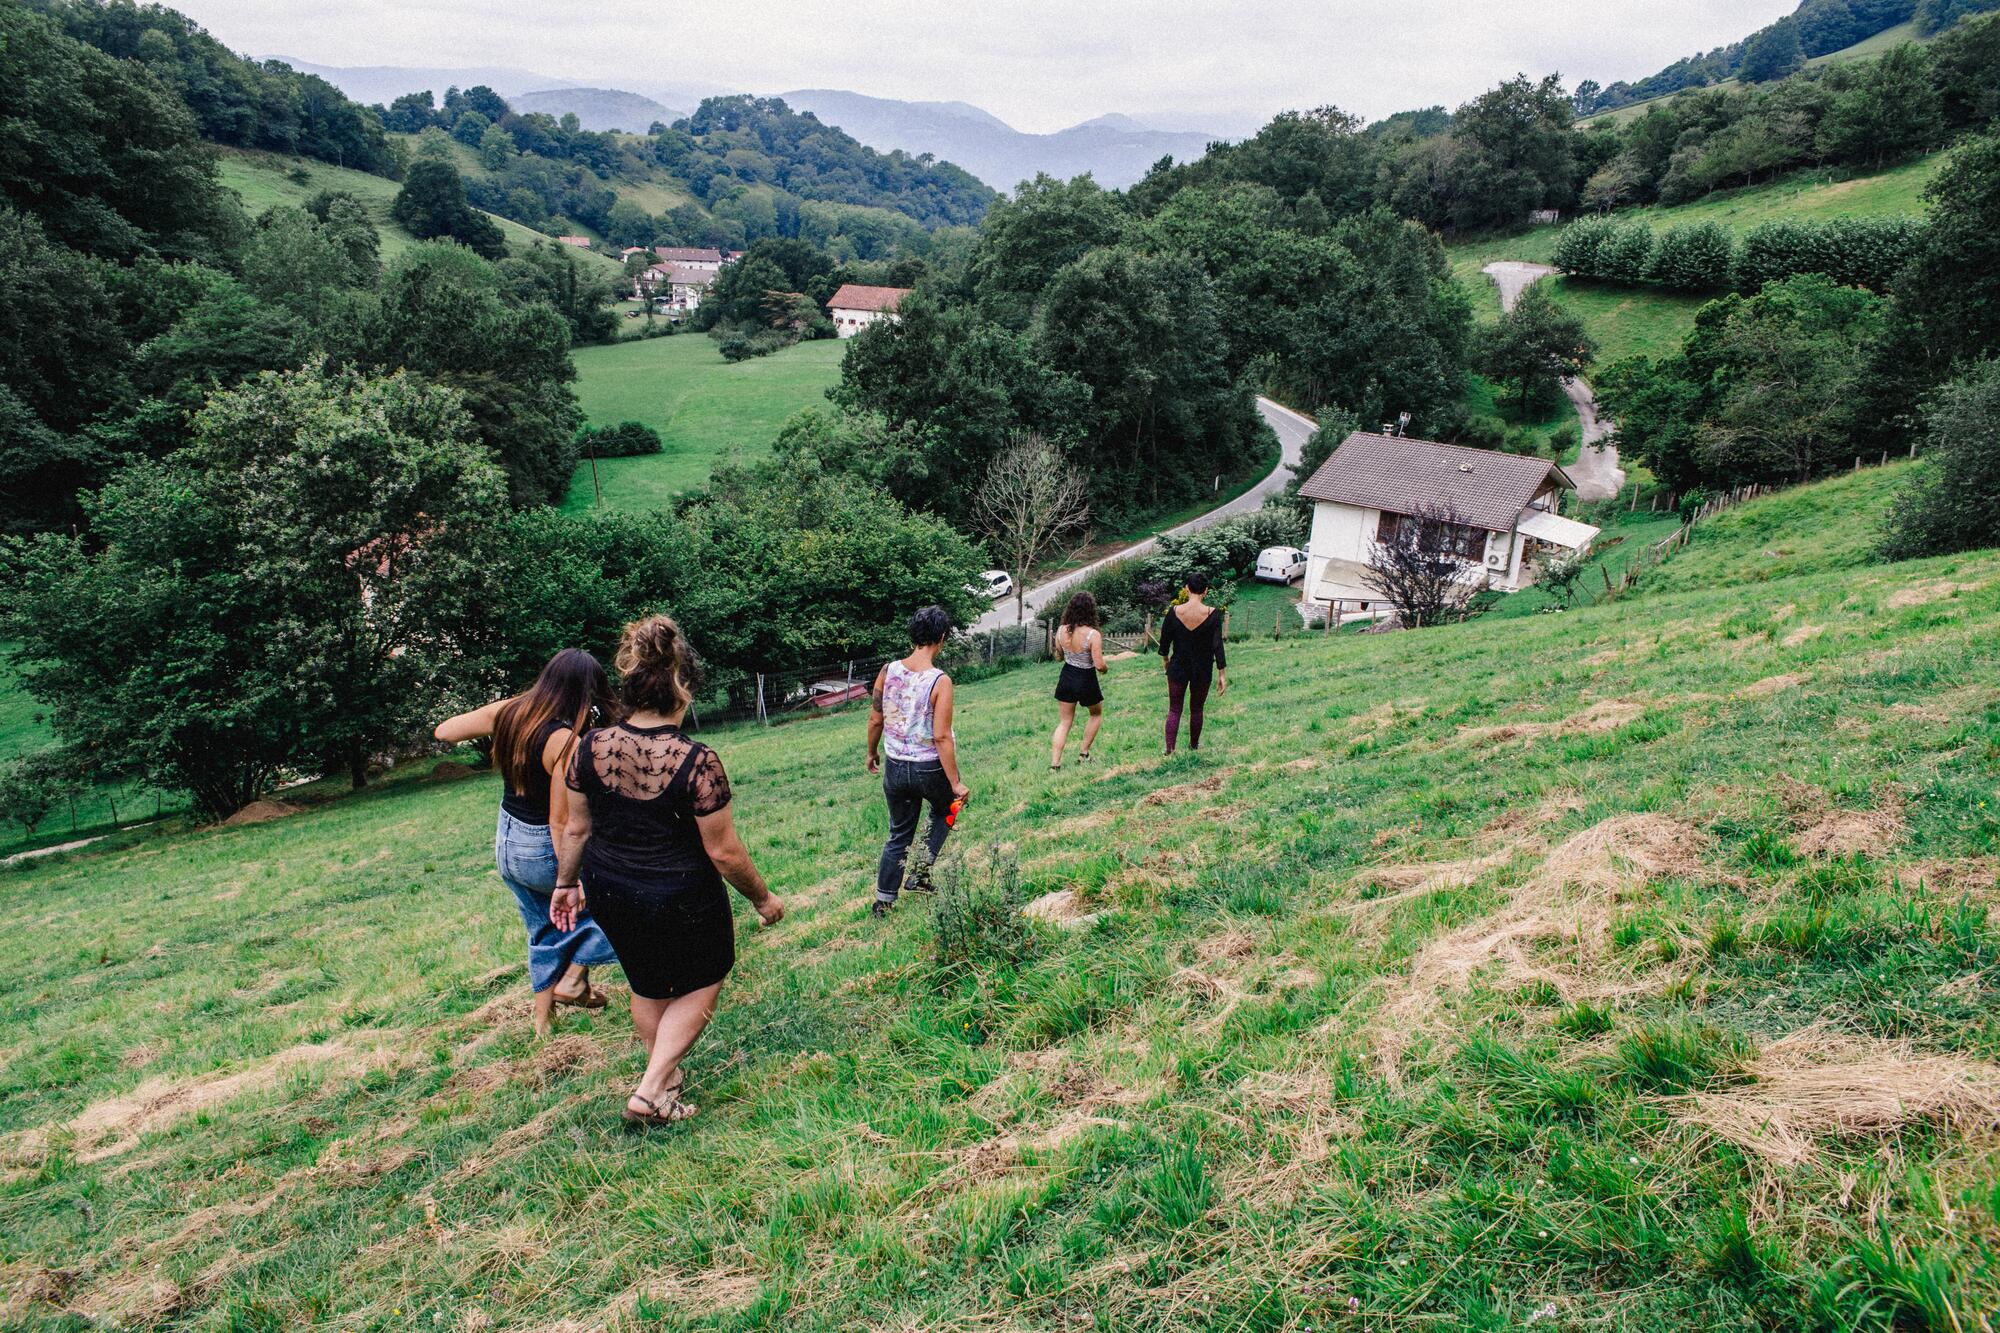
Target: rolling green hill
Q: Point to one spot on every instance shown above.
(1631, 967)
(263, 180)
(708, 411)
(1650, 321)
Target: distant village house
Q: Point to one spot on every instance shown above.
(854, 307)
(690, 256)
(1505, 504)
(673, 286)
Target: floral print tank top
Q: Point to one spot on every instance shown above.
(909, 726)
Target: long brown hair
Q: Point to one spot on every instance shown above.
(1081, 613)
(656, 666)
(570, 686)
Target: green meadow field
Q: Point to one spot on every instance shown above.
(1628, 968)
(709, 411)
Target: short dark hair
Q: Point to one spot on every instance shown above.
(929, 626)
(1197, 583)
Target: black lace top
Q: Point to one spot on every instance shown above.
(645, 787)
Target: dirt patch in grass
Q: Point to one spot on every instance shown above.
(1921, 712)
(1813, 1086)
(109, 1127)
(1770, 685)
(452, 771)
(263, 812)
(1924, 593)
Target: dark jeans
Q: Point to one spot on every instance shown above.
(1196, 694)
(909, 787)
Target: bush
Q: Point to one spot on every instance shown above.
(1578, 248)
(1484, 432)
(1699, 257)
(1626, 253)
(977, 920)
(1565, 440)
(737, 345)
(1853, 252)
(1948, 505)
(627, 439)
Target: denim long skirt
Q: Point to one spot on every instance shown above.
(527, 862)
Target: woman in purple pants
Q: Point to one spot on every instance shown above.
(1192, 652)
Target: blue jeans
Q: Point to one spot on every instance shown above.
(910, 786)
(526, 859)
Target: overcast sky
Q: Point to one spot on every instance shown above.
(1038, 64)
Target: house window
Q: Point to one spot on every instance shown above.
(1467, 543)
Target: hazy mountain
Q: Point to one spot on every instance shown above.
(1116, 149)
(385, 83)
(597, 108)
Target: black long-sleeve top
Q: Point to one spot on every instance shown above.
(1193, 655)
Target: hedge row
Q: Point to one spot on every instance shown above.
(1705, 257)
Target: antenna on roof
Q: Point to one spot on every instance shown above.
(1402, 425)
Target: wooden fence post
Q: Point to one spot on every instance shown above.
(762, 716)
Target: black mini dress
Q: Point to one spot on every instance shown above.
(647, 879)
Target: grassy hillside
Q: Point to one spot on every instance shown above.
(1649, 321)
(707, 410)
(264, 180)
(1867, 46)
(1628, 968)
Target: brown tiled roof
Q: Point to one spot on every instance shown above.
(687, 254)
(1487, 489)
(683, 273)
(853, 296)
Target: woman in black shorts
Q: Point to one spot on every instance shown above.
(1082, 647)
(649, 847)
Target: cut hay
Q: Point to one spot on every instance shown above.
(1923, 594)
(109, 1127)
(1803, 635)
(1061, 907)
(1568, 901)
(1602, 717)
(1823, 829)
(1770, 685)
(263, 812)
(1812, 1086)
(1185, 791)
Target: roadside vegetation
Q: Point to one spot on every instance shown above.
(1634, 959)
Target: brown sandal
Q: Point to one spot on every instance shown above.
(590, 997)
(675, 1111)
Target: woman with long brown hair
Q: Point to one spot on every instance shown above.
(1081, 644)
(648, 848)
(532, 737)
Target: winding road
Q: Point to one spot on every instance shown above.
(1595, 471)
(1293, 429)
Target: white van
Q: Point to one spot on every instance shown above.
(1280, 564)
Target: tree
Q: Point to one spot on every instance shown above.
(1025, 240)
(432, 204)
(446, 314)
(1537, 347)
(554, 275)
(496, 148)
(1029, 502)
(1953, 502)
(289, 592)
(1418, 568)
(1886, 109)
(1772, 53)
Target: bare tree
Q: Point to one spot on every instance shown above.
(1427, 566)
(1029, 503)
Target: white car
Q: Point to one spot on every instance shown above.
(993, 585)
(1280, 564)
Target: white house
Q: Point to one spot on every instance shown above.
(690, 256)
(680, 286)
(1505, 504)
(854, 307)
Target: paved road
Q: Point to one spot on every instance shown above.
(1292, 429)
(1595, 471)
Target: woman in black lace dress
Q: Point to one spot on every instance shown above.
(649, 847)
